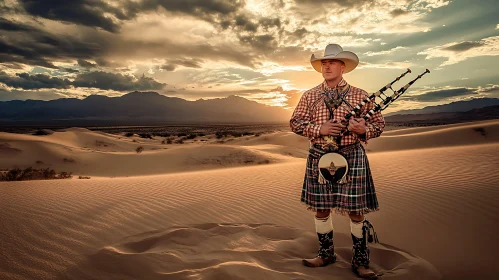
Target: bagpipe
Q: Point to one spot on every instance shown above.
(333, 166)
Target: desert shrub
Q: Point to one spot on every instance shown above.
(246, 133)
(191, 136)
(201, 134)
(42, 132)
(179, 141)
(257, 135)
(83, 177)
(264, 161)
(182, 134)
(220, 134)
(169, 141)
(30, 173)
(139, 149)
(480, 130)
(161, 134)
(129, 134)
(145, 135)
(12, 175)
(65, 175)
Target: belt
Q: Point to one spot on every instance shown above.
(317, 151)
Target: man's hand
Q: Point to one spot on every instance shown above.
(357, 126)
(332, 128)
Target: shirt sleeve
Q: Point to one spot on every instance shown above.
(301, 122)
(374, 125)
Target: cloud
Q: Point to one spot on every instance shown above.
(27, 44)
(464, 46)
(171, 65)
(108, 15)
(387, 65)
(86, 64)
(69, 70)
(399, 12)
(85, 12)
(385, 52)
(118, 82)
(265, 42)
(97, 79)
(441, 94)
(38, 81)
(459, 51)
(7, 95)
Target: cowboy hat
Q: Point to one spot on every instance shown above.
(335, 51)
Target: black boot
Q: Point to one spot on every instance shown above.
(326, 253)
(360, 258)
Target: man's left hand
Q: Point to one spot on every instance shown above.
(357, 125)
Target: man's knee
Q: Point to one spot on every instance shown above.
(322, 213)
(356, 217)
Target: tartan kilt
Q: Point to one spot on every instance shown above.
(358, 195)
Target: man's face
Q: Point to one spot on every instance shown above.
(332, 69)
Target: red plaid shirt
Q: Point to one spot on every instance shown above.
(311, 112)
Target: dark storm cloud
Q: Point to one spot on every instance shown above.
(441, 94)
(86, 64)
(97, 79)
(245, 23)
(398, 12)
(95, 13)
(173, 64)
(270, 22)
(20, 43)
(265, 42)
(118, 82)
(85, 12)
(34, 46)
(69, 70)
(8, 25)
(298, 33)
(464, 46)
(168, 67)
(38, 81)
(6, 95)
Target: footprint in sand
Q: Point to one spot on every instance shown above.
(244, 251)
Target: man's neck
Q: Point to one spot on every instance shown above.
(334, 83)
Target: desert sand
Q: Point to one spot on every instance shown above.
(232, 210)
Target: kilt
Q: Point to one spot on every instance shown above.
(358, 195)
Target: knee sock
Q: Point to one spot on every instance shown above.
(356, 228)
(323, 225)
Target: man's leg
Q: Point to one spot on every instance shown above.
(324, 229)
(360, 258)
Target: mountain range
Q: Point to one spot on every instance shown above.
(458, 106)
(140, 108)
(151, 108)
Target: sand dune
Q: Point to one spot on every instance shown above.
(243, 220)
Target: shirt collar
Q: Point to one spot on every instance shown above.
(342, 85)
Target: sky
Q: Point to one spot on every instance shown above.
(256, 49)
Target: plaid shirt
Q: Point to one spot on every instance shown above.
(311, 112)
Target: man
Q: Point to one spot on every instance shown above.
(316, 119)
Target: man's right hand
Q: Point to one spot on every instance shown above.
(332, 128)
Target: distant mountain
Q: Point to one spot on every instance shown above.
(139, 108)
(485, 113)
(458, 106)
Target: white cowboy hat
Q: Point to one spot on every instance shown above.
(335, 51)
